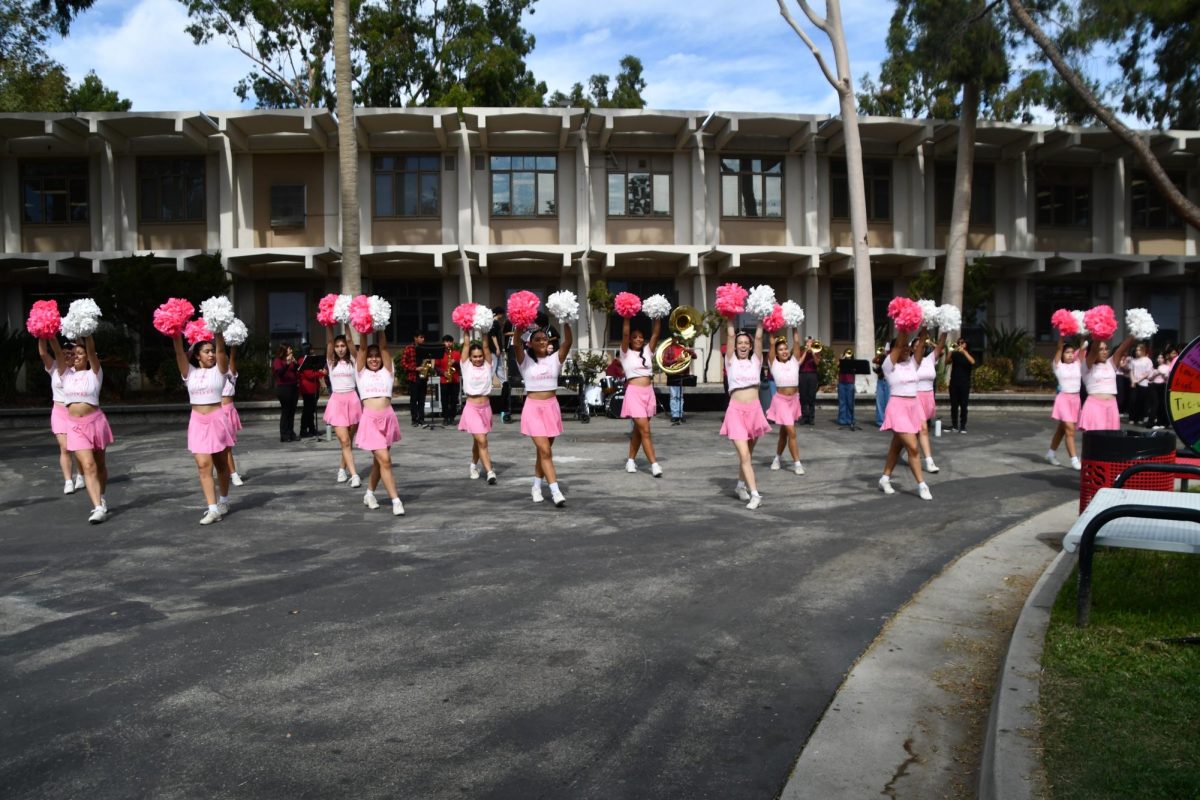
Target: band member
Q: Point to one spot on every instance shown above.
(344, 409)
(637, 359)
(674, 353)
(903, 416)
(926, 381)
(378, 429)
(449, 371)
(501, 337)
(311, 374)
(287, 390)
(962, 364)
(1099, 411)
(744, 420)
(228, 391)
(477, 370)
(57, 366)
(785, 405)
(1066, 402)
(210, 434)
(411, 363)
(809, 359)
(541, 417)
(88, 433)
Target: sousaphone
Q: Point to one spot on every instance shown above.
(683, 323)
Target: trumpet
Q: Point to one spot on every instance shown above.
(815, 346)
(849, 353)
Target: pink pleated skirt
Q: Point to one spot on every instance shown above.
(377, 429)
(784, 409)
(235, 419)
(541, 417)
(60, 420)
(928, 404)
(903, 415)
(210, 433)
(744, 421)
(343, 410)
(1100, 414)
(1066, 407)
(89, 432)
(639, 402)
(476, 418)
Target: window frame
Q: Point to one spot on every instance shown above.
(399, 184)
(1066, 181)
(509, 171)
(83, 177)
(620, 165)
(186, 219)
(280, 221)
(874, 170)
(762, 174)
(1171, 221)
(977, 197)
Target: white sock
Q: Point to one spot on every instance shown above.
(755, 494)
(741, 484)
(368, 493)
(922, 485)
(554, 487)
(213, 508)
(537, 482)
(223, 499)
(885, 478)
(395, 501)
(1050, 453)
(475, 464)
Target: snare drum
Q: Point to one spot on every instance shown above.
(609, 384)
(593, 396)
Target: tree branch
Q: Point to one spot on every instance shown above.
(813, 17)
(829, 76)
(255, 55)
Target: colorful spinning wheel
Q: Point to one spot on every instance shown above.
(1183, 395)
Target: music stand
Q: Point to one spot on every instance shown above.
(426, 352)
(853, 366)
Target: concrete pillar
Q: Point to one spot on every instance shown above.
(243, 176)
(793, 200)
(332, 193)
(106, 209)
(127, 202)
(10, 206)
(1118, 300)
(365, 238)
(682, 167)
(1118, 191)
(227, 202)
(1004, 205)
(585, 337)
(1021, 299)
(812, 203)
(212, 202)
(823, 237)
(1023, 204)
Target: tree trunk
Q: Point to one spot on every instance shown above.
(960, 214)
(347, 148)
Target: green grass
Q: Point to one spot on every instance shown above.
(1121, 708)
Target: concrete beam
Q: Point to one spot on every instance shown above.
(606, 132)
(686, 129)
(836, 142)
(802, 140)
(1070, 267)
(239, 140)
(99, 129)
(1034, 267)
(804, 265)
(566, 261)
(1057, 145)
(439, 131)
(482, 130)
(69, 269)
(189, 133)
(1022, 145)
(1137, 270)
(315, 132)
(726, 134)
(610, 260)
(564, 133)
(439, 262)
(917, 266)
(57, 130)
(909, 144)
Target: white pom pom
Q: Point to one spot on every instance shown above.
(381, 312)
(85, 308)
(761, 301)
(217, 313)
(793, 314)
(235, 333)
(929, 310)
(484, 318)
(949, 318)
(656, 306)
(77, 325)
(563, 306)
(1140, 324)
(1078, 315)
(341, 309)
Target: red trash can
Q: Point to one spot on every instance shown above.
(1106, 454)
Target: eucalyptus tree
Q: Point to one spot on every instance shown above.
(347, 148)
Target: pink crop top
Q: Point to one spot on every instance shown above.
(341, 377)
(477, 381)
(632, 362)
(1101, 378)
(927, 373)
(1069, 377)
(743, 372)
(82, 386)
(375, 383)
(786, 373)
(230, 387)
(56, 384)
(541, 375)
(901, 377)
(204, 385)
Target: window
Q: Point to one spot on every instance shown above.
(639, 186)
(54, 192)
(524, 186)
(1149, 207)
(752, 187)
(416, 306)
(1064, 197)
(1049, 297)
(171, 189)
(983, 193)
(877, 180)
(288, 206)
(406, 186)
(842, 308)
(643, 289)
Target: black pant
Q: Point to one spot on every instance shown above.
(1140, 406)
(1158, 405)
(416, 399)
(808, 397)
(308, 416)
(288, 394)
(506, 398)
(449, 392)
(1123, 392)
(959, 394)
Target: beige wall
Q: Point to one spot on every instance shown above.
(753, 232)
(523, 231)
(291, 169)
(641, 231)
(1159, 243)
(981, 238)
(55, 238)
(879, 234)
(172, 236)
(405, 231)
(1071, 240)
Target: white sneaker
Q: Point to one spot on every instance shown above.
(69, 487)
(222, 508)
(397, 508)
(355, 481)
(235, 479)
(798, 468)
(559, 498)
(743, 493)
(491, 478)
(930, 466)
(775, 463)
(923, 490)
(1075, 463)
(474, 472)
(370, 500)
(1052, 459)
(885, 483)
(99, 514)
(537, 494)
(80, 483)
(656, 470)
(342, 477)
(209, 517)
(631, 466)
(755, 501)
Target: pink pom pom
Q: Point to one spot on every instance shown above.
(464, 316)
(197, 331)
(44, 320)
(172, 316)
(627, 304)
(905, 313)
(360, 314)
(1101, 321)
(523, 309)
(731, 299)
(325, 309)
(1064, 322)
(773, 321)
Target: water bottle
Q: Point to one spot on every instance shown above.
(937, 427)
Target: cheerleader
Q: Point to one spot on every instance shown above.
(210, 432)
(478, 367)
(57, 365)
(903, 416)
(744, 420)
(235, 420)
(541, 418)
(639, 405)
(343, 410)
(926, 380)
(1099, 412)
(88, 433)
(377, 429)
(1066, 403)
(785, 405)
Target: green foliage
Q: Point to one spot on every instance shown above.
(1003, 366)
(626, 94)
(588, 363)
(1040, 370)
(118, 354)
(599, 298)
(827, 372)
(987, 378)
(979, 282)
(92, 95)
(1014, 344)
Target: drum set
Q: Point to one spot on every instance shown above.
(608, 396)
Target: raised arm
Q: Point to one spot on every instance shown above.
(565, 343)
(222, 356)
(466, 346)
(329, 336)
(655, 333)
(383, 351)
(518, 344)
(625, 334)
(94, 360)
(940, 347)
(1122, 349)
(487, 348)
(796, 342)
(758, 340)
(730, 337)
(181, 359)
(48, 361)
(1058, 350)
(922, 339)
(360, 356)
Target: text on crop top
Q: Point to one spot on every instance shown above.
(476, 381)
(204, 385)
(230, 387)
(901, 377)
(786, 373)
(637, 363)
(541, 375)
(743, 372)
(341, 377)
(927, 373)
(374, 383)
(82, 386)
(1101, 378)
(1069, 377)
(56, 384)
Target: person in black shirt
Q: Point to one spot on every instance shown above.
(962, 363)
(501, 342)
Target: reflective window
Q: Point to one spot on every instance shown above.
(1064, 196)
(1148, 205)
(752, 187)
(983, 193)
(54, 191)
(639, 185)
(877, 182)
(171, 189)
(524, 186)
(406, 185)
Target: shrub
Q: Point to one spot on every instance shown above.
(988, 378)
(1003, 366)
(827, 370)
(1040, 370)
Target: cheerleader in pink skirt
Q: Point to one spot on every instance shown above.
(637, 359)
(477, 368)
(785, 405)
(541, 417)
(235, 420)
(210, 432)
(1066, 402)
(1099, 412)
(56, 366)
(926, 385)
(88, 433)
(378, 429)
(344, 409)
(903, 416)
(744, 420)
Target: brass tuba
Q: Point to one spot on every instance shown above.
(682, 322)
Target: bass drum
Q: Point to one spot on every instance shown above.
(612, 405)
(593, 396)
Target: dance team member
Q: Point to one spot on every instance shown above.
(637, 359)
(541, 417)
(744, 420)
(903, 416)
(377, 429)
(88, 433)
(1066, 402)
(210, 434)
(57, 365)
(235, 420)
(478, 367)
(344, 409)
(926, 380)
(1100, 411)
(785, 405)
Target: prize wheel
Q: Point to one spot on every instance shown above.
(1183, 395)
